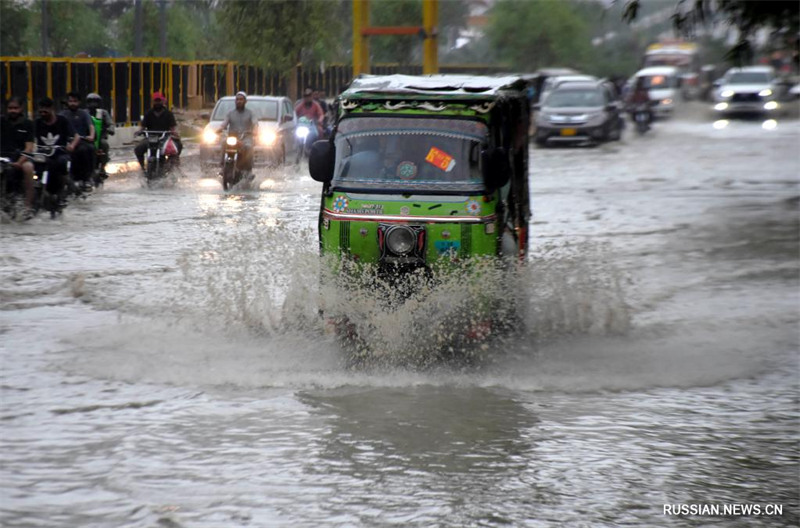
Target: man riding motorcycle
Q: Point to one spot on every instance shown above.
(157, 118)
(83, 153)
(104, 127)
(311, 109)
(639, 102)
(16, 137)
(51, 130)
(241, 123)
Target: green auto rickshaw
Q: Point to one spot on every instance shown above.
(424, 171)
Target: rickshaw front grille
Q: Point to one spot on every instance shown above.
(466, 240)
(344, 237)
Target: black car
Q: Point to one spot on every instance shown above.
(579, 112)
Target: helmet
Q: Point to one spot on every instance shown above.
(93, 97)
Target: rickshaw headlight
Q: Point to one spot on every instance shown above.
(400, 240)
(231, 141)
(209, 136)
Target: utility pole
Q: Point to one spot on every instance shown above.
(162, 14)
(45, 29)
(137, 28)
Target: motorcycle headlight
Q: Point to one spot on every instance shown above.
(400, 240)
(230, 141)
(267, 137)
(726, 93)
(766, 92)
(209, 136)
(302, 132)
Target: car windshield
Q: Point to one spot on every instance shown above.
(409, 154)
(263, 110)
(749, 78)
(574, 98)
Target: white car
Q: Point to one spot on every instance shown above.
(276, 124)
(752, 89)
(663, 87)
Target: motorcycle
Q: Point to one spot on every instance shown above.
(47, 196)
(306, 134)
(161, 155)
(99, 175)
(231, 173)
(12, 191)
(642, 116)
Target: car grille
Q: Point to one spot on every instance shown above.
(745, 98)
(567, 120)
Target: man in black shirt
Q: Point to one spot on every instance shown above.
(53, 130)
(16, 137)
(158, 118)
(83, 155)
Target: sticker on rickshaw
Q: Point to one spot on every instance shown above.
(339, 204)
(444, 247)
(440, 159)
(407, 170)
(473, 207)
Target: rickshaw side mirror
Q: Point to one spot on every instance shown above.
(321, 160)
(496, 168)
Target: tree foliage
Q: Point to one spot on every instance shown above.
(747, 16)
(280, 33)
(14, 36)
(185, 37)
(538, 33)
(73, 27)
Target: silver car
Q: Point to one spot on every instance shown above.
(752, 89)
(276, 124)
(579, 112)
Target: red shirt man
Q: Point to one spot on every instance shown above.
(309, 108)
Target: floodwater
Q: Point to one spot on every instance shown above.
(163, 364)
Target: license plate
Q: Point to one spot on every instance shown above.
(568, 131)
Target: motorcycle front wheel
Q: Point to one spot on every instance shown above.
(227, 176)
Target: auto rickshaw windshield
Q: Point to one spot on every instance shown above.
(409, 154)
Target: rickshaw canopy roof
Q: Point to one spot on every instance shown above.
(461, 86)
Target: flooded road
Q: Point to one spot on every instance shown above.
(163, 365)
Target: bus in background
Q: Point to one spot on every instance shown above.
(681, 55)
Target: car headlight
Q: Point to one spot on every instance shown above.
(302, 132)
(230, 141)
(765, 92)
(726, 93)
(667, 101)
(721, 106)
(209, 136)
(400, 240)
(267, 137)
(771, 105)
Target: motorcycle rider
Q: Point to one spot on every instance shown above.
(16, 137)
(308, 107)
(241, 123)
(83, 154)
(160, 119)
(104, 127)
(54, 130)
(639, 99)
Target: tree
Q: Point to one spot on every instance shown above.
(747, 16)
(539, 33)
(185, 38)
(73, 27)
(14, 36)
(278, 34)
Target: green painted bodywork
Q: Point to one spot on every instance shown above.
(358, 238)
